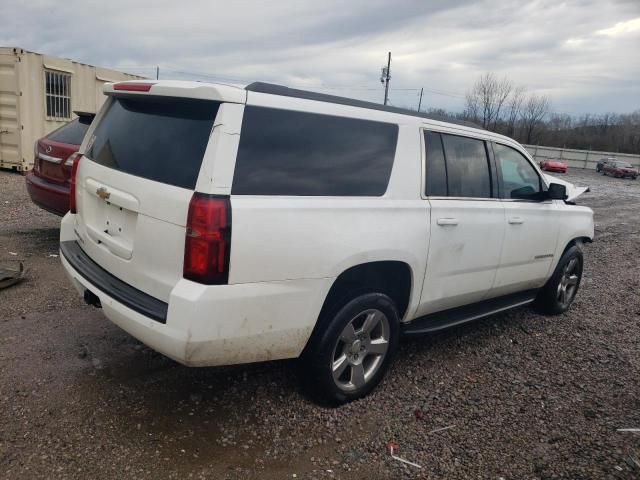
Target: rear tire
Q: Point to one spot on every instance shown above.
(348, 357)
(558, 293)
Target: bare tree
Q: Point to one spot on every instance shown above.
(514, 106)
(534, 110)
(472, 107)
(503, 91)
(486, 99)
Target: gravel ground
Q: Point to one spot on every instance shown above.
(527, 396)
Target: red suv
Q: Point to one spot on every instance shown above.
(48, 182)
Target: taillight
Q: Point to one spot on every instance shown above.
(208, 239)
(72, 189)
(70, 159)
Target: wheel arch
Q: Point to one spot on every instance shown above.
(394, 278)
(578, 241)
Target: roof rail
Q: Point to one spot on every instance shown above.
(273, 89)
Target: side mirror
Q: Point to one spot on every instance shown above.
(557, 191)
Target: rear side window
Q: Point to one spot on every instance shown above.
(73, 132)
(159, 138)
(467, 167)
(284, 152)
(436, 171)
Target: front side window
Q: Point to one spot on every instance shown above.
(519, 179)
(467, 167)
(284, 152)
(57, 88)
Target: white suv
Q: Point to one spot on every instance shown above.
(222, 225)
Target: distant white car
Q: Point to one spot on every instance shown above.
(222, 225)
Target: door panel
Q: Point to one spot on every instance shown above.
(531, 225)
(464, 252)
(529, 243)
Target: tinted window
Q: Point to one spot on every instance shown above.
(159, 138)
(283, 152)
(467, 167)
(73, 132)
(519, 178)
(436, 171)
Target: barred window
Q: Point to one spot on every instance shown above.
(58, 94)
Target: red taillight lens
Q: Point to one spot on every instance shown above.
(133, 87)
(208, 239)
(72, 189)
(70, 159)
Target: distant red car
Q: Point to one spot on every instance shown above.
(48, 182)
(554, 166)
(620, 169)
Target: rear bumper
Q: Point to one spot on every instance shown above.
(49, 196)
(117, 289)
(213, 325)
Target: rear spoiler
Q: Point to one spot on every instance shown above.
(178, 88)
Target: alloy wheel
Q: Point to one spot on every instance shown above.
(568, 284)
(360, 350)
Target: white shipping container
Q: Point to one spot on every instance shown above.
(38, 94)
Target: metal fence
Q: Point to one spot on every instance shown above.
(578, 158)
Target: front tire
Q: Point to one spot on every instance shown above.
(349, 355)
(560, 290)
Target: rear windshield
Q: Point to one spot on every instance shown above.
(73, 132)
(159, 138)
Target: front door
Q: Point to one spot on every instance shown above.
(532, 225)
(467, 222)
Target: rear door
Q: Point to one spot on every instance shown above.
(134, 183)
(467, 222)
(532, 225)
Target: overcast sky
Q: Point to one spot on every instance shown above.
(585, 54)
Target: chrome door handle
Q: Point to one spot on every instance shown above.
(447, 221)
(515, 220)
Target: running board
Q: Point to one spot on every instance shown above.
(456, 316)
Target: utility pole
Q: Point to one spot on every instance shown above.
(157, 72)
(385, 77)
(420, 101)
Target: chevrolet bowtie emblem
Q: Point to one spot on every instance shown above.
(102, 193)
